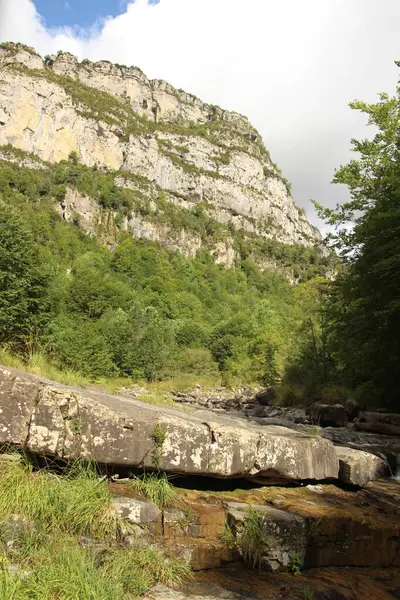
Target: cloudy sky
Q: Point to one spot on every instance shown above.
(291, 66)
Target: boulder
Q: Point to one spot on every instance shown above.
(52, 419)
(265, 397)
(327, 415)
(135, 511)
(357, 467)
(386, 447)
(378, 422)
(352, 408)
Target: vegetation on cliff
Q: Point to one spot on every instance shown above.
(133, 308)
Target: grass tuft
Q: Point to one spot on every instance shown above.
(156, 488)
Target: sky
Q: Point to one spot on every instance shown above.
(291, 66)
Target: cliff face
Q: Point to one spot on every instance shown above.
(115, 118)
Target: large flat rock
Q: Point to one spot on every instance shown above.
(52, 419)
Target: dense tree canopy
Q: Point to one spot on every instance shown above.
(364, 305)
(131, 307)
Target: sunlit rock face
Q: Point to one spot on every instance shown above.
(114, 117)
(50, 419)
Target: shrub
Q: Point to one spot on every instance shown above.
(198, 361)
(290, 394)
(334, 394)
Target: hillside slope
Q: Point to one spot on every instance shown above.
(166, 145)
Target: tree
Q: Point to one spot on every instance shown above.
(23, 280)
(364, 306)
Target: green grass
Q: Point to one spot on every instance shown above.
(314, 430)
(53, 512)
(63, 570)
(38, 364)
(77, 503)
(156, 488)
(249, 539)
(141, 568)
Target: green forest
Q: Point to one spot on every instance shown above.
(132, 309)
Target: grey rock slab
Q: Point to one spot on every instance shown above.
(357, 467)
(17, 400)
(49, 418)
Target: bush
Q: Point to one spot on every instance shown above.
(334, 394)
(290, 394)
(198, 361)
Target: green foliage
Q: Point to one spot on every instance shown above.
(253, 542)
(23, 279)
(364, 303)
(295, 563)
(158, 437)
(54, 512)
(137, 311)
(15, 47)
(155, 487)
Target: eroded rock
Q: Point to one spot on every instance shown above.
(74, 423)
(357, 467)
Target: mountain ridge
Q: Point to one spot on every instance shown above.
(165, 144)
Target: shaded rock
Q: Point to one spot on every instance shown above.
(265, 397)
(352, 408)
(202, 591)
(74, 423)
(386, 447)
(331, 594)
(200, 554)
(133, 510)
(327, 415)
(377, 422)
(357, 467)
(285, 534)
(380, 428)
(379, 417)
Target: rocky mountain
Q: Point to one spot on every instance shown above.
(169, 147)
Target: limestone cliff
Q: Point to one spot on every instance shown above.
(189, 152)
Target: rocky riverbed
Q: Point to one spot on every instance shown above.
(321, 501)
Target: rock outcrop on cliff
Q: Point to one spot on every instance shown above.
(165, 144)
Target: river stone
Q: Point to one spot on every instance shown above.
(357, 467)
(51, 419)
(133, 510)
(327, 415)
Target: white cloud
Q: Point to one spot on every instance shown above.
(291, 66)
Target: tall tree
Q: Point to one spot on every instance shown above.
(364, 309)
(23, 280)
